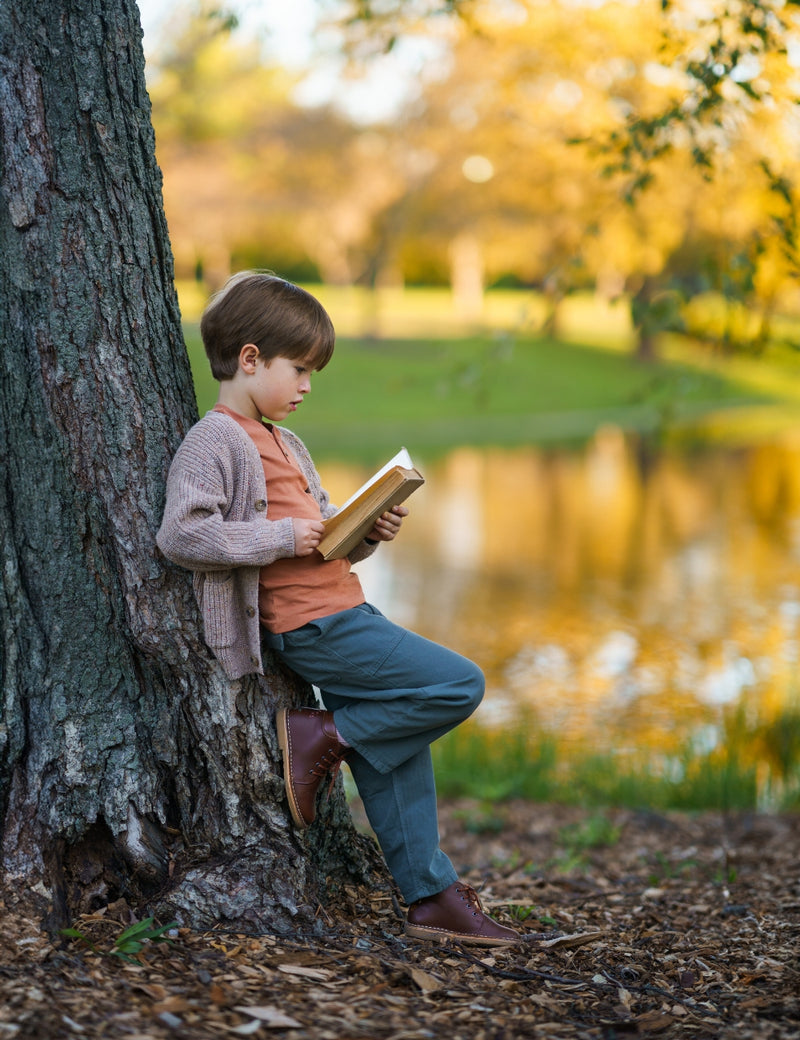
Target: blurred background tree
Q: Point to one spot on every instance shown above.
(252, 178)
(631, 148)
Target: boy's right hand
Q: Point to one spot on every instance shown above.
(307, 535)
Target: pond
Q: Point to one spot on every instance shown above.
(617, 597)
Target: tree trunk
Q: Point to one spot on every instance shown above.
(128, 764)
(643, 320)
(467, 275)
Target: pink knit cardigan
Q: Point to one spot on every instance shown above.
(215, 525)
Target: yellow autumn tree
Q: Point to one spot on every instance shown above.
(607, 134)
(250, 175)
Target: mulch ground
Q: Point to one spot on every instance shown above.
(634, 924)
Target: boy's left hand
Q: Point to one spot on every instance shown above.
(388, 524)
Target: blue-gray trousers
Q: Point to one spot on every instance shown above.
(392, 694)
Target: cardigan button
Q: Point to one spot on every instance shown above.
(260, 505)
(250, 611)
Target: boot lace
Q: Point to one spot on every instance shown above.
(470, 897)
(329, 763)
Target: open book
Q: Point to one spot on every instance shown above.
(392, 484)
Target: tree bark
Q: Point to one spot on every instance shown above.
(129, 765)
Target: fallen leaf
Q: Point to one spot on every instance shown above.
(155, 992)
(271, 1017)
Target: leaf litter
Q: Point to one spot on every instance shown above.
(682, 926)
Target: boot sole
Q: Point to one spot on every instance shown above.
(441, 935)
(285, 744)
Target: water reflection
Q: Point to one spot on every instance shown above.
(626, 599)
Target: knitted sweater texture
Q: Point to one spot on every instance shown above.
(215, 525)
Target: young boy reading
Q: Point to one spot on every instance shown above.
(244, 512)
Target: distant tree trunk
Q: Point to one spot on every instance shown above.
(128, 764)
(643, 320)
(763, 336)
(467, 275)
(554, 293)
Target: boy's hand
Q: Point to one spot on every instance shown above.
(307, 535)
(388, 524)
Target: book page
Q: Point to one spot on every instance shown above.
(402, 458)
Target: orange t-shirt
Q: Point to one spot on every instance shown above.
(295, 589)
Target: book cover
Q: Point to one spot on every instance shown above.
(390, 486)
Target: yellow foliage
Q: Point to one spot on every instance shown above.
(248, 171)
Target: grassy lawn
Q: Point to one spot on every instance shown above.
(509, 386)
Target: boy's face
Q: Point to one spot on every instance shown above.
(279, 386)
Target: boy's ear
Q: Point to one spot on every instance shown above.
(248, 357)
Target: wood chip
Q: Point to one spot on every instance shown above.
(628, 965)
(568, 942)
(271, 1017)
(427, 983)
(321, 974)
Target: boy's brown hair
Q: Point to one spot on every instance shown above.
(280, 318)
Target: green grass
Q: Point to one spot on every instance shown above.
(435, 394)
(749, 770)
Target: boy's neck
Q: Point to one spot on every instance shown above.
(231, 396)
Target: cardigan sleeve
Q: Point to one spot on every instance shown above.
(215, 512)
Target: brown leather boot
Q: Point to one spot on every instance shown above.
(456, 914)
(311, 751)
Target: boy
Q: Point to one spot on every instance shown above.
(244, 512)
